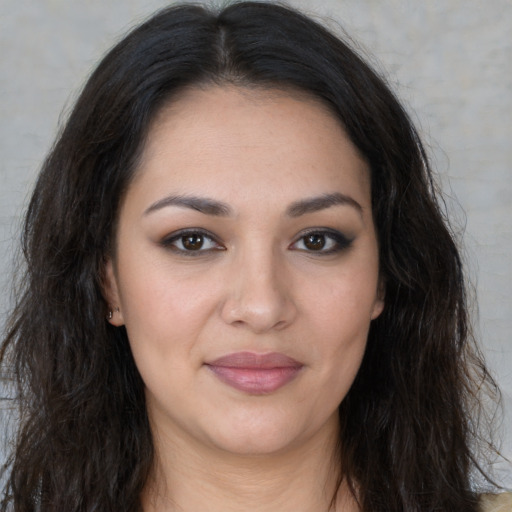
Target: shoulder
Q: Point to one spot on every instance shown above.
(496, 502)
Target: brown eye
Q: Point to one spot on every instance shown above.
(314, 241)
(192, 242)
(322, 241)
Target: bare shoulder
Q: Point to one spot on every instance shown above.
(496, 502)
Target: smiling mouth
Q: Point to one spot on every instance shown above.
(256, 374)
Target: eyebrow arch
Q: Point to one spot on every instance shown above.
(200, 204)
(322, 202)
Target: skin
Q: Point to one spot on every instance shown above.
(255, 285)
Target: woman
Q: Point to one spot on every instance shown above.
(241, 293)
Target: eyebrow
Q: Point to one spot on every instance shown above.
(315, 204)
(200, 204)
(213, 207)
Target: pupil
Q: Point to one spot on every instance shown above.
(314, 242)
(192, 242)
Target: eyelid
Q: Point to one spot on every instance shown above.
(168, 241)
(342, 241)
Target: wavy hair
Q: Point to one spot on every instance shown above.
(409, 424)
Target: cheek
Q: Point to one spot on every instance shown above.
(163, 323)
(344, 303)
(338, 320)
(158, 291)
(164, 312)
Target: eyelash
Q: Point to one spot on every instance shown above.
(339, 241)
(181, 235)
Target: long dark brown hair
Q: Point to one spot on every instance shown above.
(409, 425)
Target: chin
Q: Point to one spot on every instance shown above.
(254, 444)
(260, 434)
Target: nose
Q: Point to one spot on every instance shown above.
(260, 294)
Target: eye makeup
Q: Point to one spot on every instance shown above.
(192, 242)
(321, 241)
(318, 241)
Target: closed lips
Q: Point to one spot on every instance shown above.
(255, 373)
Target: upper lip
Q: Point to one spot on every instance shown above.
(255, 361)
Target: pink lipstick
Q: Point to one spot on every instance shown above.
(253, 373)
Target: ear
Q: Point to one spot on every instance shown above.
(111, 295)
(378, 305)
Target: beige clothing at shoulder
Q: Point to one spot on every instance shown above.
(496, 502)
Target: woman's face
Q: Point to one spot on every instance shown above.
(246, 269)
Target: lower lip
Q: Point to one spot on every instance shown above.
(255, 381)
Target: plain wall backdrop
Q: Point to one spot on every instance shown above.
(450, 61)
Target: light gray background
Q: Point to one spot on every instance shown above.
(449, 60)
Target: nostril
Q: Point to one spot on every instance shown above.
(258, 315)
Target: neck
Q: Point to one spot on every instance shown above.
(298, 479)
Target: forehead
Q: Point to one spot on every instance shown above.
(235, 140)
